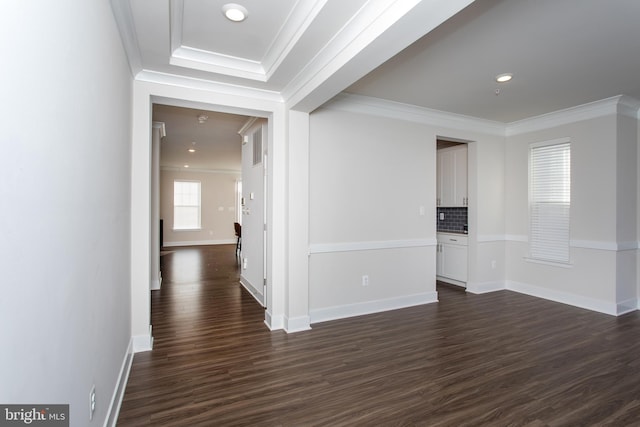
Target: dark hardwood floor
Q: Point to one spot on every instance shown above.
(498, 359)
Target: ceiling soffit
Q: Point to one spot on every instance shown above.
(261, 68)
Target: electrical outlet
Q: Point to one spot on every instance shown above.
(92, 401)
(493, 264)
(441, 216)
(365, 280)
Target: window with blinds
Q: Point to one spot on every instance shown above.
(549, 200)
(186, 205)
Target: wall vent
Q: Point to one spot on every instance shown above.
(257, 147)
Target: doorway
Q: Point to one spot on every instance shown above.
(210, 153)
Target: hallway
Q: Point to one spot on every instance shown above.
(495, 359)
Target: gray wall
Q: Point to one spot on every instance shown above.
(65, 185)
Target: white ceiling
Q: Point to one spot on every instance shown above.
(216, 141)
(563, 53)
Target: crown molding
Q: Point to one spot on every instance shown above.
(245, 127)
(194, 170)
(124, 20)
(296, 24)
(390, 109)
(151, 76)
(161, 127)
(302, 16)
(620, 104)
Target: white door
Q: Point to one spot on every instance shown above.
(252, 273)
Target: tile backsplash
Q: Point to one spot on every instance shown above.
(455, 220)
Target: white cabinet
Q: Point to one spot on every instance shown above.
(451, 177)
(451, 258)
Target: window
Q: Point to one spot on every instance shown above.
(186, 205)
(549, 200)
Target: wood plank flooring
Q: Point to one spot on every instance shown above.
(498, 359)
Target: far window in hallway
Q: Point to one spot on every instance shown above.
(186, 205)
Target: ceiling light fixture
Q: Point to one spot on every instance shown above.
(503, 78)
(192, 150)
(186, 166)
(235, 12)
(202, 118)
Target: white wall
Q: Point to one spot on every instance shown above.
(368, 180)
(66, 111)
(601, 274)
(370, 173)
(218, 211)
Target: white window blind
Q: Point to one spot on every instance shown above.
(549, 200)
(186, 205)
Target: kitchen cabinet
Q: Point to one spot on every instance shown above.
(451, 258)
(451, 177)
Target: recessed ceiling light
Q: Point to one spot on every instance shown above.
(503, 78)
(192, 150)
(235, 12)
(186, 166)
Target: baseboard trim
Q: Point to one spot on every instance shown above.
(296, 324)
(257, 295)
(121, 385)
(156, 283)
(143, 342)
(199, 243)
(370, 307)
(485, 287)
(564, 298)
(627, 306)
(273, 322)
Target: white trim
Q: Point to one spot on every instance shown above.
(296, 324)
(585, 244)
(219, 88)
(295, 26)
(191, 170)
(300, 17)
(156, 284)
(411, 113)
(604, 246)
(246, 126)
(273, 322)
(118, 393)
(628, 246)
(563, 297)
(255, 293)
(615, 105)
(320, 248)
(549, 263)
(161, 128)
(369, 307)
(142, 343)
(485, 287)
(200, 242)
(488, 238)
(124, 19)
(626, 306)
